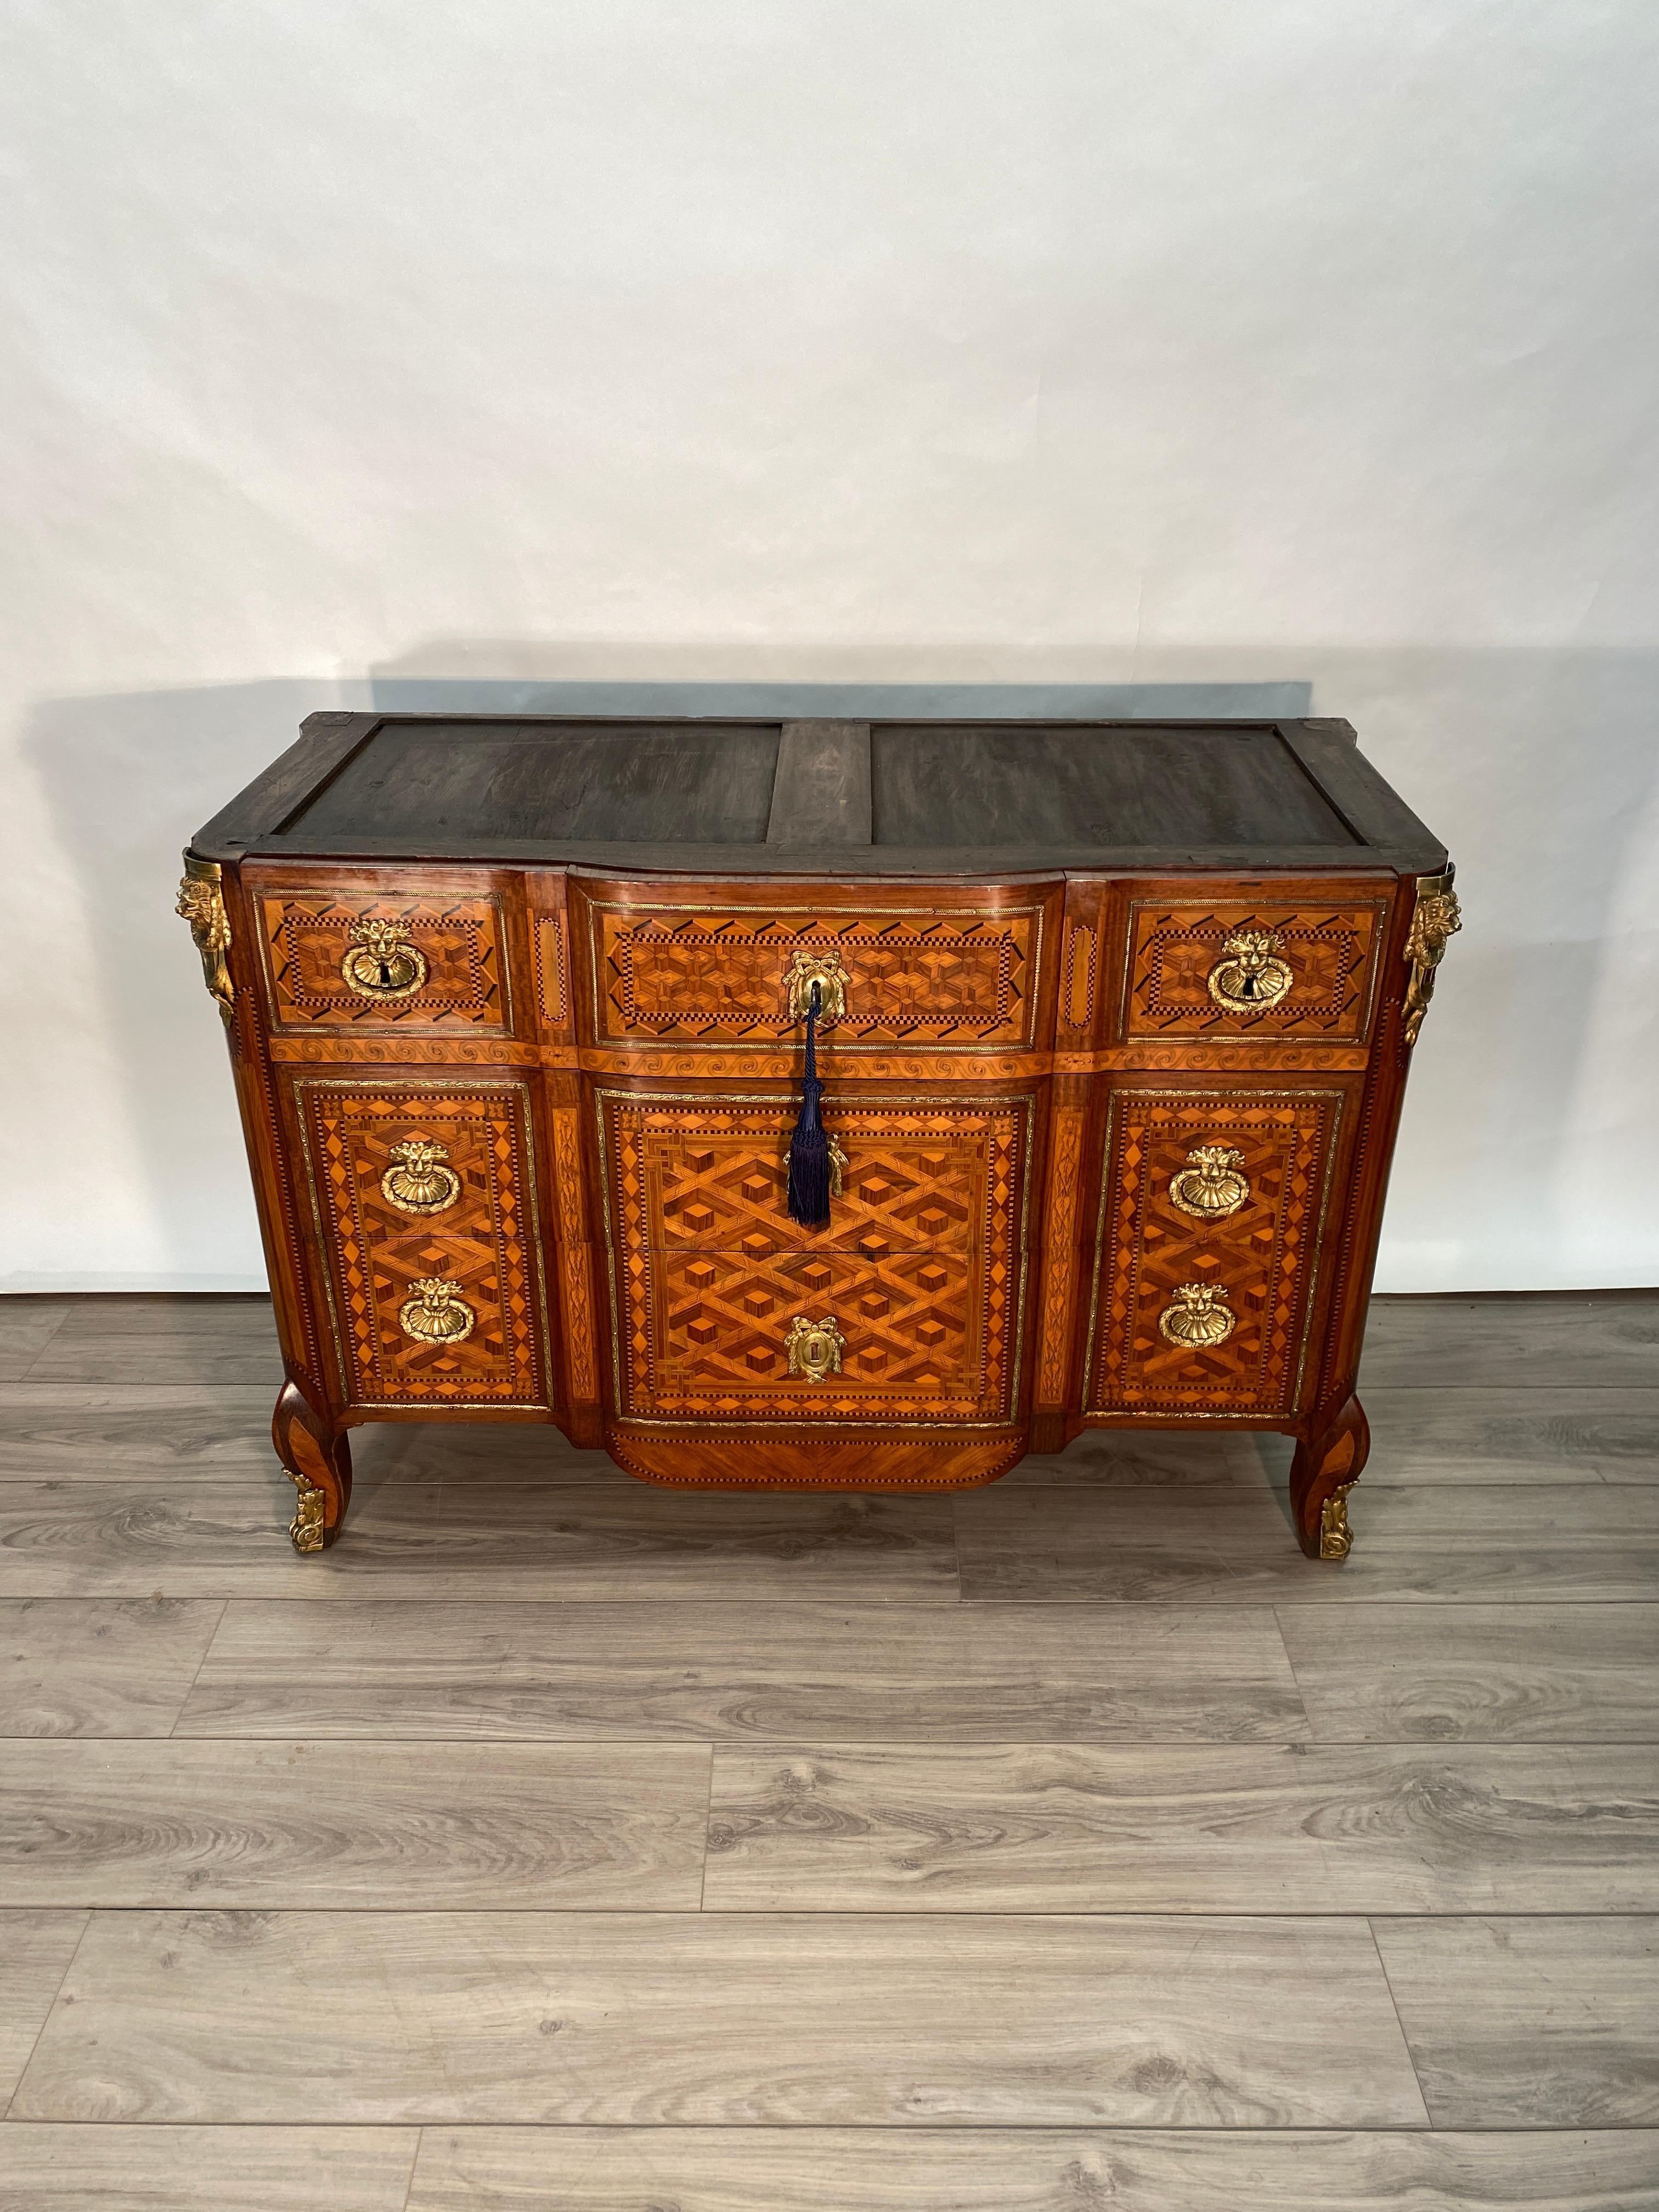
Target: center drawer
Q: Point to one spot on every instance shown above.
(948, 973)
(909, 1305)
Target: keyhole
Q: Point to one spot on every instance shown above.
(386, 973)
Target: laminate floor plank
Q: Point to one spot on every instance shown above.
(35, 1950)
(1216, 1828)
(1020, 2170)
(320, 1825)
(1542, 1435)
(27, 1328)
(1477, 1673)
(180, 1340)
(97, 1432)
(1602, 1339)
(722, 2018)
(1523, 1542)
(47, 2168)
(810, 1672)
(436, 1536)
(1142, 1458)
(1530, 2022)
(97, 1667)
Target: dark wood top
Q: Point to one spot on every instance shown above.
(834, 798)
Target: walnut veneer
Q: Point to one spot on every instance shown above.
(1124, 1018)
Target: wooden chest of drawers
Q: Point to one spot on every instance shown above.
(1115, 1028)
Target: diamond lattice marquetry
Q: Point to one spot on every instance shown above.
(911, 1181)
(964, 978)
(1256, 1261)
(306, 935)
(931, 1328)
(1330, 952)
(481, 1243)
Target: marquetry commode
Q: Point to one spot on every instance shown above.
(1113, 1022)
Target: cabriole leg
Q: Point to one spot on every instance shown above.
(1326, 1466)
(318, 1462)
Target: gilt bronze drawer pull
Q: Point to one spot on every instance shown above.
(381, 963)
(1199, 1317)
(814, 1347)
(1250, 976)
(1210, 1185)
(437, 1313)
(416, 1183)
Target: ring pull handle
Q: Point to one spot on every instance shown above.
(1250, 976)
(1209, 1187)
(814, 1347)
(1198, 1318)
(417, 1181)
(436, 1313)
(381, 963)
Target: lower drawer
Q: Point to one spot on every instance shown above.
(423, 1198)
(821, 1330)
(1213, 1207)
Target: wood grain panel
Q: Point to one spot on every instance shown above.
(96, 1667)
(1474, 1436)
(117, 2169)
(855, 1672)
(1545, 2022)
(719, 2018)
(1536, 1542)
(86, 1432)
(191, 1341)
(27, 1328)
(1604, 1340)
(1217, 1829)
(426, 1538)
(1478, 1673)
(35, 1951)
(308, 1824)
(1023, 2170)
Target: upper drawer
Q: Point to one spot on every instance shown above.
(420, 960)
(949, 974)
(1303, 970)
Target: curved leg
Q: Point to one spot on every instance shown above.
(1326, 1466)
(318, 1462)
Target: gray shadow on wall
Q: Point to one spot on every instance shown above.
(128, 780)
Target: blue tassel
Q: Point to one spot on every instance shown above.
(808, 1148)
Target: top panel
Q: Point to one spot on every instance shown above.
(929, 800)
(636, 783)
(1026, 784)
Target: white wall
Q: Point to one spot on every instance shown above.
(346, 344)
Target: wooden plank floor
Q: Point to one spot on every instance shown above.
(558, 1843)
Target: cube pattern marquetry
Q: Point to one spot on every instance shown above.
(1260, 1260)
(484, 1244)
(922, 1265)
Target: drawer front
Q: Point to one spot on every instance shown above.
(713, 1172)
(1233, 973)
(365, 961)
(425, 1207)
(956, 979)
(1213, 1204)
(920, 1330)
